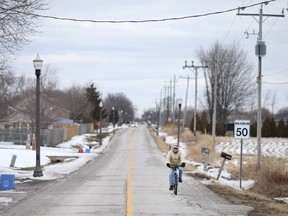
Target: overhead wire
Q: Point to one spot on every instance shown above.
(147, 20)
(229, 30)
(273, 24)
(281, 83)
(276, 83)
(273, 74)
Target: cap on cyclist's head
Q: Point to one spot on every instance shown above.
(175, 147)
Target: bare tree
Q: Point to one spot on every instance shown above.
(75, 101)
(17, 22)
(274, 101)
(234, 84)
(49, 78)
(23, 96)
(122, 104)
(6, 80)
(266, 99)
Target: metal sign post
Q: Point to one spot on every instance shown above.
(241, 131)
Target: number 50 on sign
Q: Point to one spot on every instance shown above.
(241, 129)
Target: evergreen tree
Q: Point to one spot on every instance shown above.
(266, 127)
(281, 129)
(209, 128)
(286, 131)
(253, 129)
(198, 122)
(220, 129)
(93, 100)
(273, 128)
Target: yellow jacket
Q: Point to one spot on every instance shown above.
(175, 159)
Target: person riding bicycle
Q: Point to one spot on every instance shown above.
(175, 157)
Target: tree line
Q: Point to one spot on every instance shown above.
(270, 127)
(80, 102)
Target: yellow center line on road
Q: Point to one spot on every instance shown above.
(129, 206)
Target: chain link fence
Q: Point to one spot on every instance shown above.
(48, 137)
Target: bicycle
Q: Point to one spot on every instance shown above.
(175, 179)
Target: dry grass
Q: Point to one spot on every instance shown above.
(262, 205)
(271, 179)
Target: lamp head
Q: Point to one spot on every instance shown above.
(101, 104)
(37, 63)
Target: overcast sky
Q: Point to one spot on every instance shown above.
(139, 59)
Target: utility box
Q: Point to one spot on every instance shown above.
(260, 49)
(7, 182)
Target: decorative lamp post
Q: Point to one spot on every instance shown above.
(38, 65)
(113, 118)
(179, 117)
(158, 119)
(100, 105)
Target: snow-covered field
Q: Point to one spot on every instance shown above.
(277, 147)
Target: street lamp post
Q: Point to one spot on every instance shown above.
(100, 106)
(179, 115)
(113, 118)
(121, 118)
(37, 65)
(158, 119)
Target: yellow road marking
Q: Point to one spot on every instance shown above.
(129, 205)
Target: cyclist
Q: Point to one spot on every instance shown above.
(175, 157)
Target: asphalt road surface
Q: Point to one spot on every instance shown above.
(129, 178)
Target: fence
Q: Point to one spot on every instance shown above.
(48, 137)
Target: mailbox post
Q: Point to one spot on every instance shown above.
(226, 157)
(205, 152)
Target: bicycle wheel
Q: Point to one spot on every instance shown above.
(175, 183)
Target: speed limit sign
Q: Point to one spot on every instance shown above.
(242, 129)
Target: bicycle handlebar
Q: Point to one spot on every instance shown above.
(174, 167)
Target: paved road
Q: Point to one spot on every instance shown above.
(129, 178)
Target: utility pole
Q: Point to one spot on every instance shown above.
(165, 102)
(260, 51)
(160, 108)
(167, 96)
(187, 88)
(173, 99)
(196, 77)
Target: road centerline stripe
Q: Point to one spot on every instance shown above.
(129, 205)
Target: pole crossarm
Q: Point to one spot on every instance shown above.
(194, 66)
(254, 14)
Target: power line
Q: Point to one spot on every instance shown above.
(279, 72)
(282, 83)
(146, 20)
